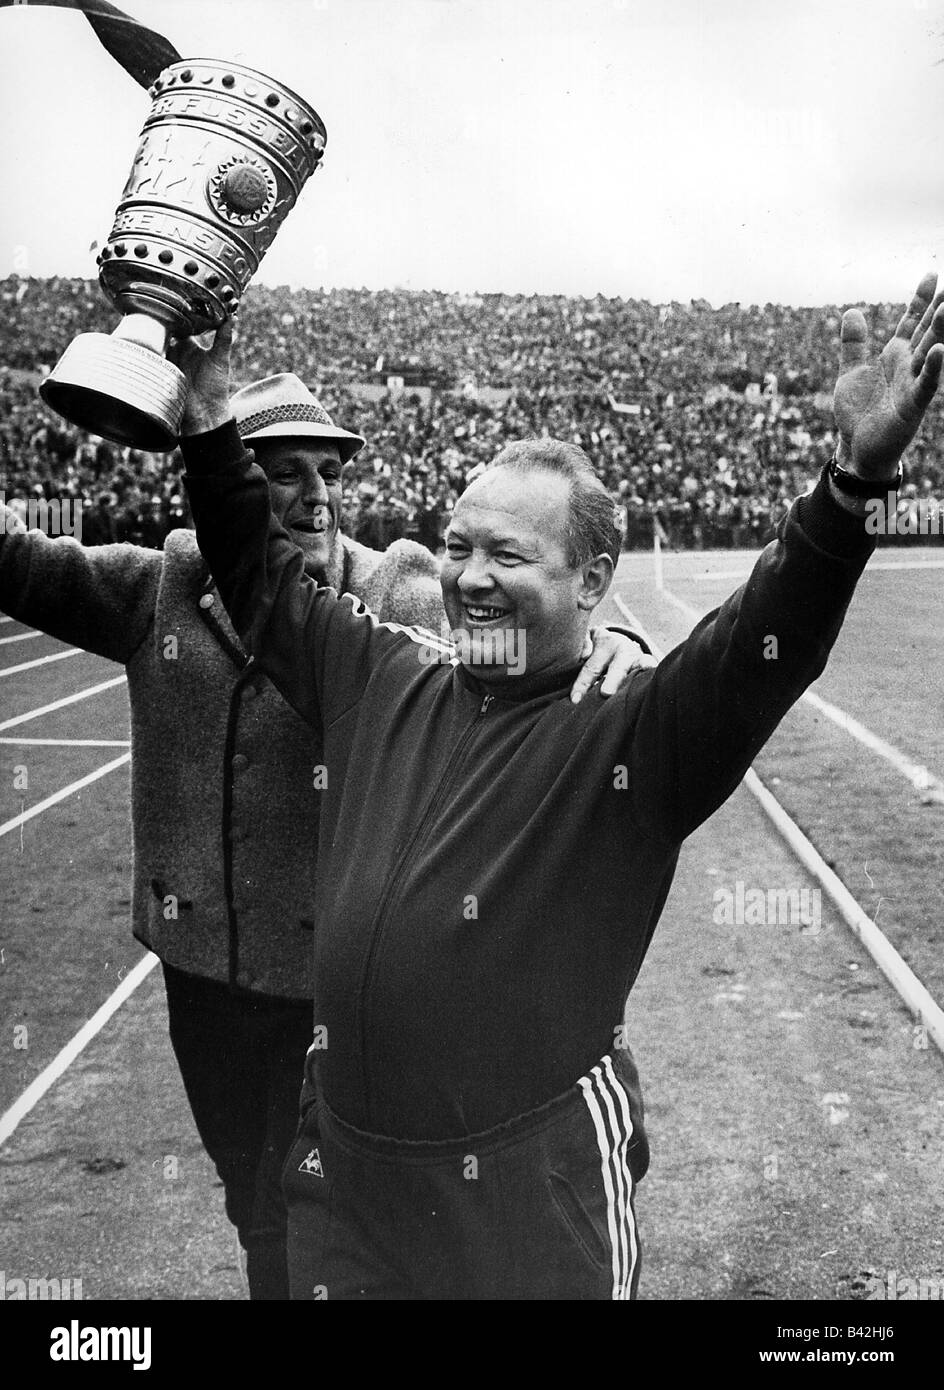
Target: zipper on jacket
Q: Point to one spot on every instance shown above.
(398, 874)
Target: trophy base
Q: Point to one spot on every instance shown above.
(117, 389)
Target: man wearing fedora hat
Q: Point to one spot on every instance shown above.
(226, 785)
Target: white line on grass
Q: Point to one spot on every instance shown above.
(20, 637)
(896, 971)
(60, 704)
(40, 661)
(61, 795)
(908, 565)
(878, 565)
(923, 781)
(930, 788)
(46, 1078)
(903, 979)
(715, 574)
(69, 742)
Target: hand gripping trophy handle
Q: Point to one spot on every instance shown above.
(222, 158)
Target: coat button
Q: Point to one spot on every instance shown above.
(239, 762)
(206, 600)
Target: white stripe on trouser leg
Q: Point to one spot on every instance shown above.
(596, 1115)
(617, 1141)
(613, 1127)
(619, 1090)
(621, 1129)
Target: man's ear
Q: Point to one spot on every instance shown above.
(597, 575)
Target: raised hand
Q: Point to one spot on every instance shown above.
(879, 405)
(207, 371)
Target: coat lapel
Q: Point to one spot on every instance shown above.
(339, 575)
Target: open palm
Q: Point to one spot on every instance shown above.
(879, 405)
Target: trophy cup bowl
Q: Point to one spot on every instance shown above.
(222, 158)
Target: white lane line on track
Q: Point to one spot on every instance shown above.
(5, 619)
(929, 787)
(61, 795)
(60, 704)
(42, 1083)
(41, 661)
(899, 974)
(881, 565)
(69, 742)
(49, 1075)
(20, 637)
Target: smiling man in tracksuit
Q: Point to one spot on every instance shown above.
(498, 857)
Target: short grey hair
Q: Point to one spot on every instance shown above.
(593, 525)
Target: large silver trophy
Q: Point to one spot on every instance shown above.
(222, 159)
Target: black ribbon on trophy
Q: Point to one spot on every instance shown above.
(221, 160)
(140, 51)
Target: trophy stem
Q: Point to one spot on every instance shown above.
(144, 330)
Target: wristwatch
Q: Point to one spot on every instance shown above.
(853, 486)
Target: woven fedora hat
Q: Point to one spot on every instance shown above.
(282, 407)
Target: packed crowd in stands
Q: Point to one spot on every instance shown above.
(703, 422)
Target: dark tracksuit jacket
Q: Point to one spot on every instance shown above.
(497, 858)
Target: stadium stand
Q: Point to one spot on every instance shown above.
(706, 420)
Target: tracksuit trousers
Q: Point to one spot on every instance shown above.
(541, 1207)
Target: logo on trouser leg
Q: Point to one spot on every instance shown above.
(312, 1164)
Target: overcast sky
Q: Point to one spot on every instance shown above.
(660, 149)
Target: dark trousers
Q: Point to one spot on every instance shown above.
(539, 1208)
(242, 1058)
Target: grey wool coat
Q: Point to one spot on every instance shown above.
(224, 775)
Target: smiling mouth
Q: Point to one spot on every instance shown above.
(484, 615)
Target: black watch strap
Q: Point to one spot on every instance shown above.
(853, 486)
